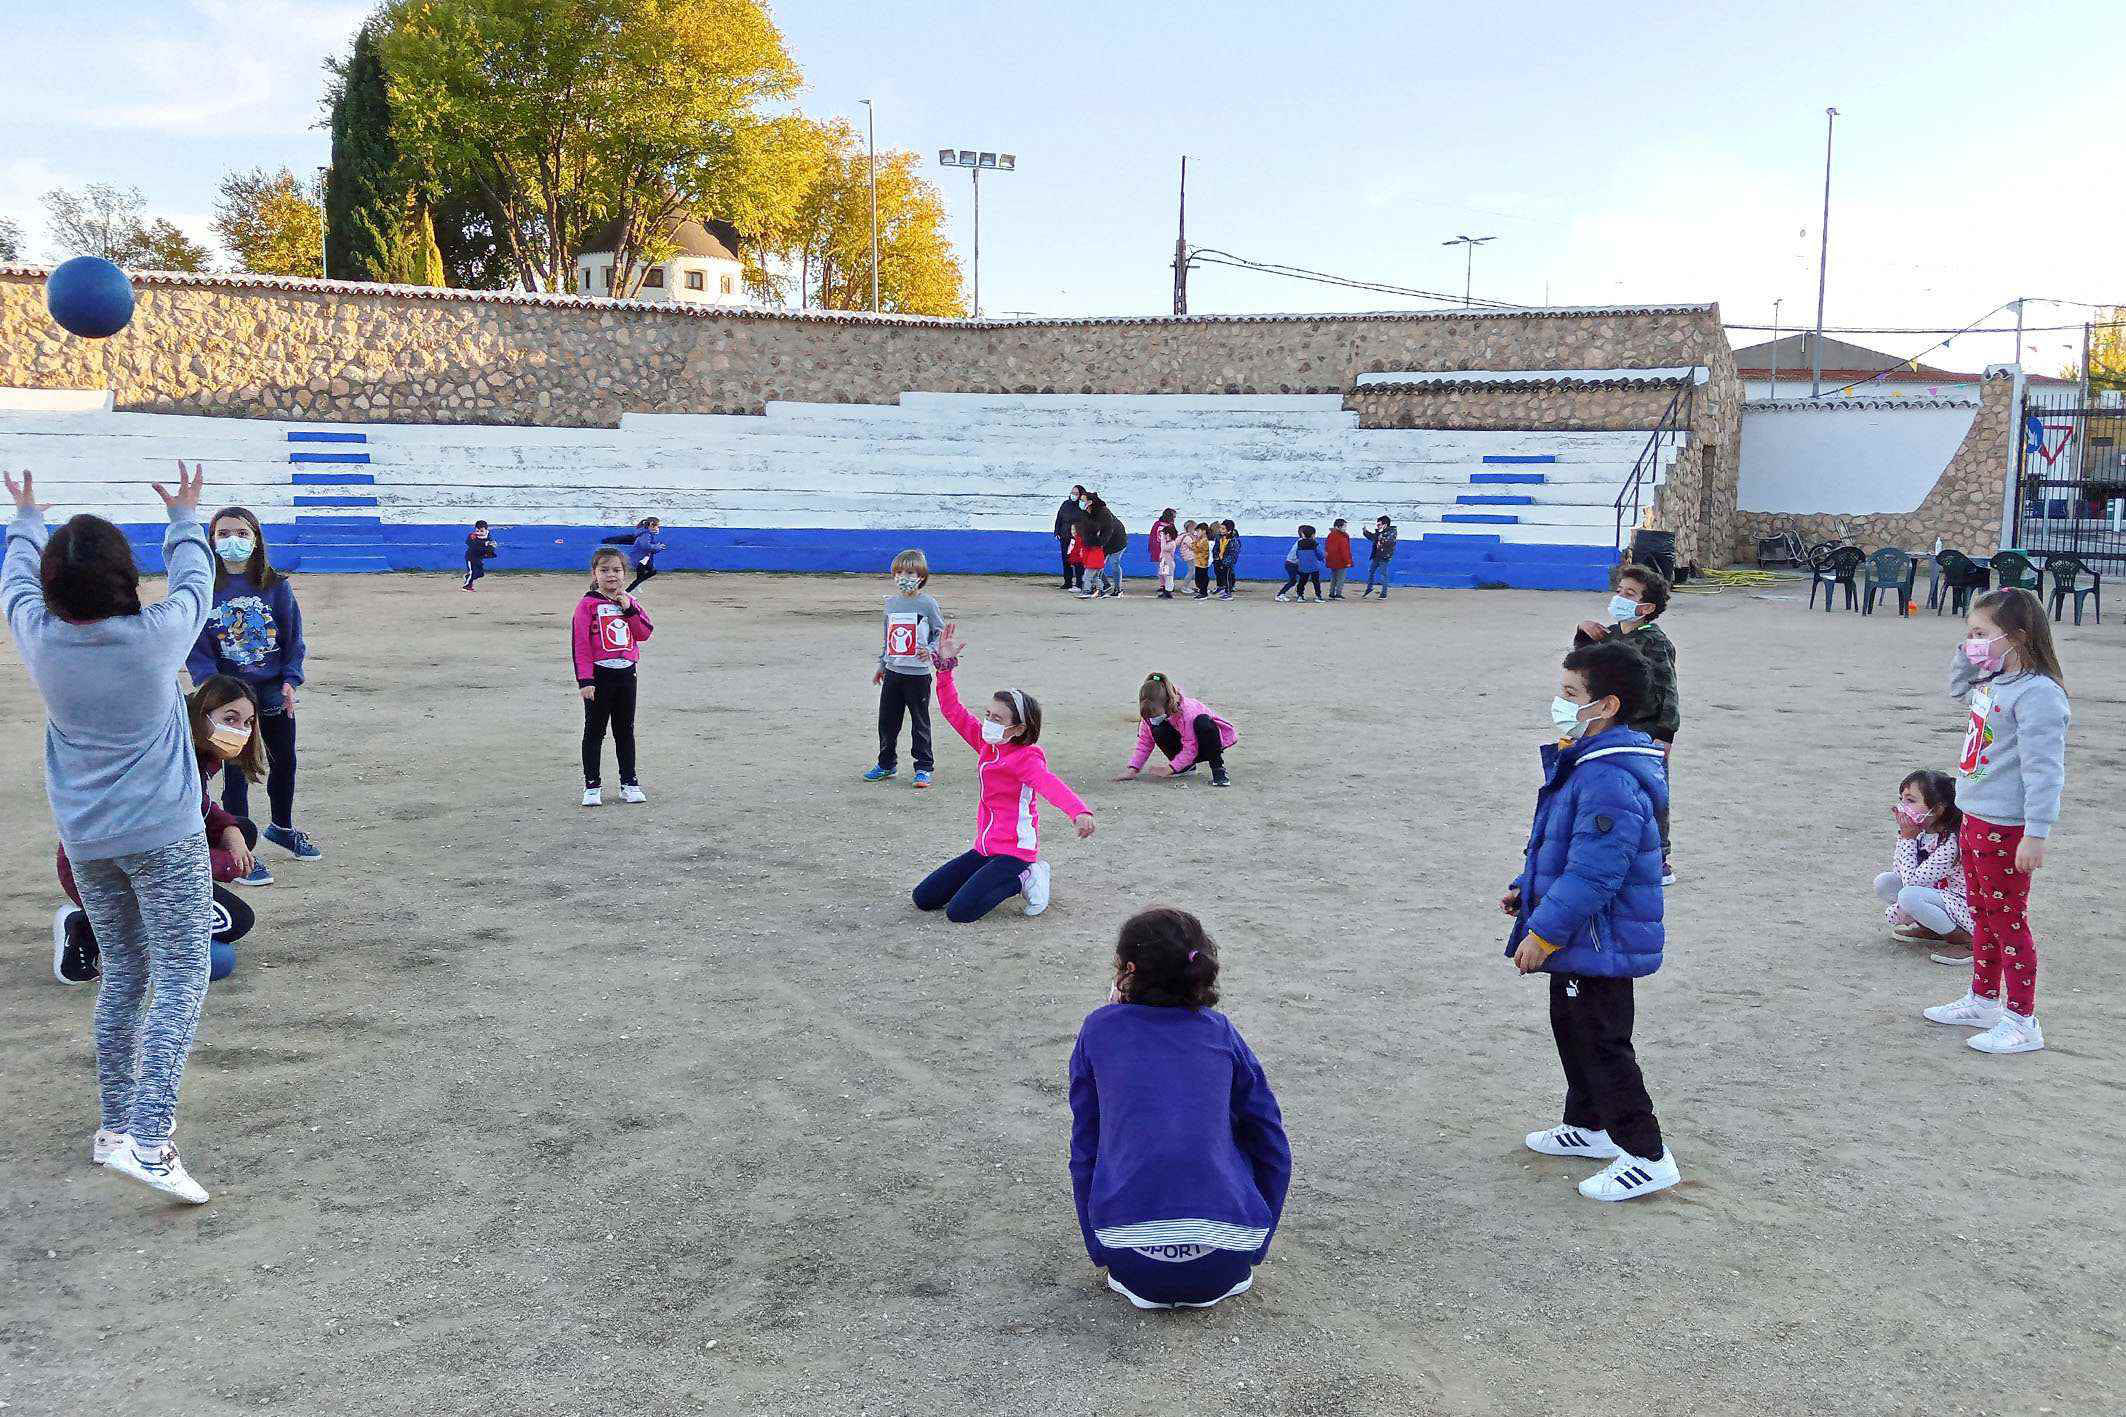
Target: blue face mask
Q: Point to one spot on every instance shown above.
(1565, 715)
(1622, 608)
(235, 548)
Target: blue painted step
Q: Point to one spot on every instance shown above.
(1509, 477)
(1471, 499)
(308, 436)
(328, 457)
(1520, 457)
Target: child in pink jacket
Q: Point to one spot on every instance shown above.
(604, 640)
(1005, 860)
(1186, 730)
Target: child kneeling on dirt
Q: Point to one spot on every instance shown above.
(1587, 911)
(1178, 1155)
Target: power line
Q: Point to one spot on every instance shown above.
(1212, 257)
(1929, 330)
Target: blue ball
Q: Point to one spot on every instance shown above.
(89, 297)
(221, 960)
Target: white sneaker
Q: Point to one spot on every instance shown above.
(1033, 884)
(1968, 1012)
(630, 792)
(592, 797)
(2013, 1034)
(1282, 597)
(1116, 1285)
(1630, 1176)
(162, 1172)
(1573, 1141)
(106, 1142)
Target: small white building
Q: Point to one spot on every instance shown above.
(705, 270)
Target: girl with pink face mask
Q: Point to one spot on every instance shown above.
(1923, 893)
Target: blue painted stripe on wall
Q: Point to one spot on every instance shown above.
(1509, 477)
(361, 541)
(328, 457)
(335, 501)
(1478, 517)
(333, 479)
(1520, 457)
(300, 436)
(1471, 500)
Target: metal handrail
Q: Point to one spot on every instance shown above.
(1649, 456)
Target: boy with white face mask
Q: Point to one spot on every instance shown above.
(1641, 597)
(913, 624)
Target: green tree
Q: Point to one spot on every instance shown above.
(104, 220)
(2107, 351)
(564, 114)
(10, 240)
(269, 222)
(367, 196)
(830, 241)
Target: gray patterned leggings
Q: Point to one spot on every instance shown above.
(152, 913)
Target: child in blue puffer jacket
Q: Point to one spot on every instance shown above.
(1587, 911)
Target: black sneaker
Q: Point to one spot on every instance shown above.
(1218, 777)
(75, 958)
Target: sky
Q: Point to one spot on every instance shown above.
(1619, 152)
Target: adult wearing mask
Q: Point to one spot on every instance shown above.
(1067, 517)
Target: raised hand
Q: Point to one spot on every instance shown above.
(188, 485)
(950, 645)
(24, 493)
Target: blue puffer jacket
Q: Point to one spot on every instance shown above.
(1592, 882)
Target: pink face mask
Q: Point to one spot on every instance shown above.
(1917, 816)
(1981, 653)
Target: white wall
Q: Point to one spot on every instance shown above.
(1794, 384)
(1844, 457)
(592, 270)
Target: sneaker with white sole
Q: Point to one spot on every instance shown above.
(75, 957)
(296, 843)
(1117, 1285)
(159, 1170)
(593, 797)
(1968, 1012)
(1033, 884)
(632, 792)
(1962, 959)
(1629, 1177)
(2013, 1034)
(1573, 1141)
(105, 1142)
(257, 876)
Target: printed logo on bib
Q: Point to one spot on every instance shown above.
(1174, 1254)
(902, 635)
(1978, 738)
(614, 636)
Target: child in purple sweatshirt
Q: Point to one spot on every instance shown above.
(1177, 1149)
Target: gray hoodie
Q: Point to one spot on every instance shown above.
(119, 764)
(918, 623)
(2014, 760)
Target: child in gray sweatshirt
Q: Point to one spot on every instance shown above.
(2010, 774)
(123, 777)
(913, 624)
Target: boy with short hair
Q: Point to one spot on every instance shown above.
(479, 550)
(913, 624)
(1587, 911)
(1382, 535)
(1641, 597)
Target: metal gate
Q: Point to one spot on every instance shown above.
(2070, 476)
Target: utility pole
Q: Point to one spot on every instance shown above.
(871, 133)
(1823, 256)
(1775, 346)
(1181, 246)
(324, 258)
(1469, 243)
(2018, 332)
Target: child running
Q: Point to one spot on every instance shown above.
(1187, 731)
(1923, 892)
(913, 622)
(2013, 768)
(1006, 858)
(124, 787)
(1178, 1157)
(646, 540)
(479, 550)
(256, 635)
(1587, 911)
(605, 639)
(1640, 599)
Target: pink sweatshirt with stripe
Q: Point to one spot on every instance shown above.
(1007, 819)
(1184, 721)
(605, 633)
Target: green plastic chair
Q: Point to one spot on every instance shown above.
(1889, 570)
(2067, 573)
(2013, 569)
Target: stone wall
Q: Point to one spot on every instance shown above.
(1963, 508)
(1511, 406)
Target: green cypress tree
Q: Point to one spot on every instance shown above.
(365, 197)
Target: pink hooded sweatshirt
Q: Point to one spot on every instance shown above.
(1184, 720)
(1007, 820)
(602, 630)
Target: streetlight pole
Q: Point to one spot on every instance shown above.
(1469, 244)
(871, 135)
(1775, 346)
(1823, 255)
(324, 261)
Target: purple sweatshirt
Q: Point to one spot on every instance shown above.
(1175, 1137)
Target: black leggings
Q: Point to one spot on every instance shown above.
(612, 701)
(278, 731)
(1210, 748)
(1203, 580)
(643, 572)
(1310, 578)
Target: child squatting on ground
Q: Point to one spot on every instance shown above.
(1923, 892)
(1178, 1157)
(1641, 598)
(2012, 770)
(123, 779)
(1006, 858)
(913, 623)
(1587, 911)
(1187, 731)
(605, 640)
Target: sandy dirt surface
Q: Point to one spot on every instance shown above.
(514, 1107)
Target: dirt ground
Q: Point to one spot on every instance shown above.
(514, 1107)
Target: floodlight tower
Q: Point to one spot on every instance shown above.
(976, 162)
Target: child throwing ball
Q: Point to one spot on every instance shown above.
(1006, 857)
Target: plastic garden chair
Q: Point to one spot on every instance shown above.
(2067, 573)
(1960, 578)
(1781, 548)
(2013, 568)
(1894, 571)
(1838, 568)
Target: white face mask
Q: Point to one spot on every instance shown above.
(1157, 718)
(1566, 715)
(993, 731)
(1622, 608)
(235, 548)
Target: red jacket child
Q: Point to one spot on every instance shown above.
(1337, 549)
